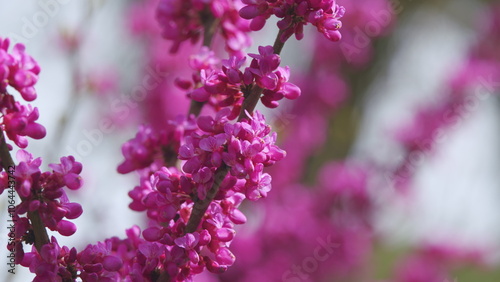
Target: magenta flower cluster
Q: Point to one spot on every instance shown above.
(44, 192)
(323, 14)
(167, 195)
(229, 85)
(150, 146)
(246, 147)
(100, 262)
(19, 71)
(183, 20)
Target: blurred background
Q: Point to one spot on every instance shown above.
(432, 183)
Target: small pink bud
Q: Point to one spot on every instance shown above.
(66, 228)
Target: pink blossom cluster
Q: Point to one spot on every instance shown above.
(110, 260)
(155, 147)
(44, 192)
(52, 263)
(323, 14)
(19, 71)
(229, 85)
(246, 147)
(186, 254)
(167, 195)
(179, 25)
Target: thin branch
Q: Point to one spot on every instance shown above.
(195, 107)
(278, 44)
(200, 207)
(41, 237)
(5, 157)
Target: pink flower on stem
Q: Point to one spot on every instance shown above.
(189, 242)
(18, 70)
(20, 122)
(52, 263)
(44, 193)
(69, 170)
(227, 86)
(179, 26)
(294, 14)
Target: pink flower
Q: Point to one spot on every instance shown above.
(324, 14)
(99, 262)
(69, 169)
(140, 152)
(18, 70)
(43, 192)
(19, 121)
(185, 20)
(204, 60)
(189, 242)
(26, 172)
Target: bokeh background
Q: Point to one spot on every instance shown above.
(92, 53)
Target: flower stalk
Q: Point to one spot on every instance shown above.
(39, 231)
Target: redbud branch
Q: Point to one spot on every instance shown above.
(278, 44)
(252, 100)
(201, 206)
(195, 107)
(40, 233)
(41, 237)
(5, 157)
(249, 104)
(163, 277)
(169, 155)
(210, 24)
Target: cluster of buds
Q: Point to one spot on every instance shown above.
(323, 14)
(19, 71)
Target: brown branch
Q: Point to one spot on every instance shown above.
(252, 100)
(249, 104)
(40, 233)
(5, 157)
(201, 206)
(210, 24)
(195, 107)
(278, 45)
